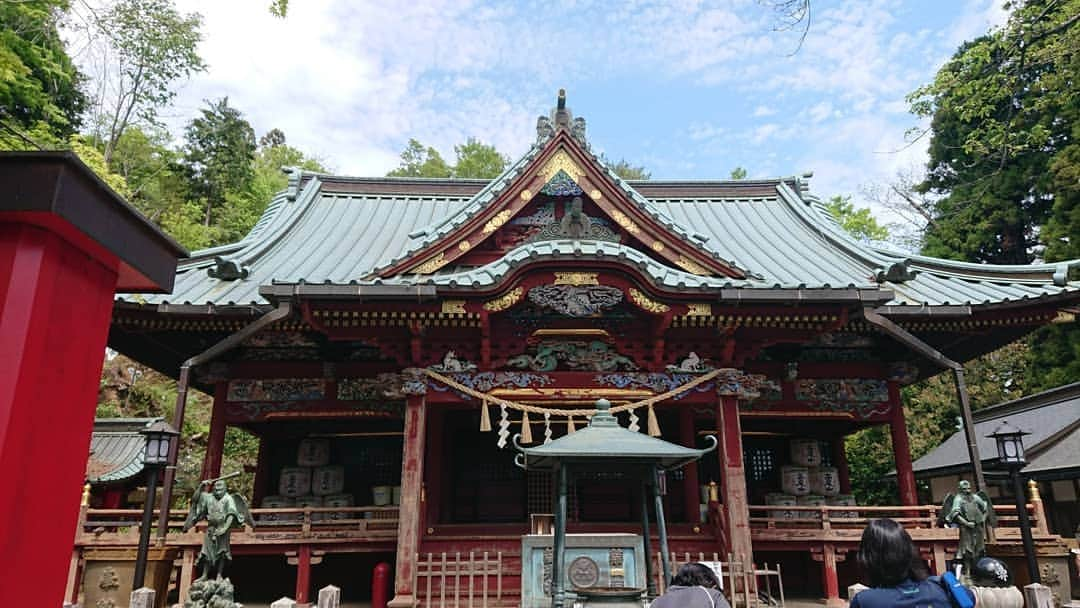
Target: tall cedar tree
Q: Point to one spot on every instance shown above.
(218, 154)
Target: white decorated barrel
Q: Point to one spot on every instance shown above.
(328, 480)
(795, 480)
(338, 501)
(805, 452)
(810, 500)
(843, 500)
(395, 495)
(381, 496)
(295, 481)
(824, 481)
(779, 499)
(311, 501)
(276, 502)
(313, 453)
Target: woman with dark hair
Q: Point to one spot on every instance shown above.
(897, 578)
(693, 586)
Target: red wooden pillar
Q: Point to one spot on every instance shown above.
(736, 512)
(829, 578)
(215, 442)
(303, 574)
(691, 489)
(905, 475)
(67, 243)
(409, 517)
(839, 457)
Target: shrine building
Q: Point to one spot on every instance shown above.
(386, 338)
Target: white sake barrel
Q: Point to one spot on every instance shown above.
(339, 501)
(824, 481)
(311, 501)
(805, 452)
(810, 500)
(276, 502)
(794, 480)
(295, 481)
(382, 495)
(780, 500)
(395, 495)
(328, 480)
(842, 500)
(313, 453)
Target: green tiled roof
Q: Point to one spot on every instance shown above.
(335, 230)
(116, 449)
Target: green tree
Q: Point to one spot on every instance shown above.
(858, 222)
(738, 173)
(219, 151)
(625, 170)
(151, 47)
(41, 100)
(420, 161)
(478, 160)
(1002, 150)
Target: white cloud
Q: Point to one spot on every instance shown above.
(761, 111)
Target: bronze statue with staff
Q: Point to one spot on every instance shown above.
(223, 512)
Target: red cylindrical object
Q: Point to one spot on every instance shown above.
(380, 585)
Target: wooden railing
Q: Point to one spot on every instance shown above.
(454, 579)
(856, 517)
(113, 525)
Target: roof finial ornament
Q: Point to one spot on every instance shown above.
(562, 116)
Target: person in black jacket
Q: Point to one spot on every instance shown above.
(897, 578)
(693, 586)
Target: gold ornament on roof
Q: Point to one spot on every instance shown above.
(691, 266)
(561, 161)
(699, 309)
(431, 265)
(500, 218)
(464, 245)
(627, 223)
(576, 278)
(657, 246)
(526, 194)
(595, 195)
(453, 307)
(646, 303)
(505, 301)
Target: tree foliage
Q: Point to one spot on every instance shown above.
(738, 173)
(218, 154)
(1003, 151)
(624, 169)
(40, 88)
(420, 161)
(478, 160)
(858, 222)
(151, 46)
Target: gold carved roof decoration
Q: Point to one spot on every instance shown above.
(500, 218)
(561, 161)
(624, 221)
(647, 303)
(431, 265)
(453, 307)
(504, 301)
(576, 278)
(691, 266)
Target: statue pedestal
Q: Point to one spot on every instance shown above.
(110, 570)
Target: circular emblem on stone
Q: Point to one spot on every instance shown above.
(583, 572)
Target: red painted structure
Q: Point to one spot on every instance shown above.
(62, 233)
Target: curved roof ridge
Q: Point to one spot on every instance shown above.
(1056, 271)
(284, 224)
(832, 232)
(492, 272)
(205, 257)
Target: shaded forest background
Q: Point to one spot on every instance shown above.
(1001, 184)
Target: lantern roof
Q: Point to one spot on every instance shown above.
(605, 442)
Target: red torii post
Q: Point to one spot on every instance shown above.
(67, 244)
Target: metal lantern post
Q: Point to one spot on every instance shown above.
(159, 437)
(1010, 448)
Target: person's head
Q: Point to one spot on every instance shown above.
(694, 574)
(964, 486)
(885, 553)
(990, 572)
(219, 489)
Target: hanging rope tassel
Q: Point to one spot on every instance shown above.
(526, 428)
(570, 425)
(547, 427)
(653, 425)
(485, 418)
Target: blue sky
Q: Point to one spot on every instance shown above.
(687, 89)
